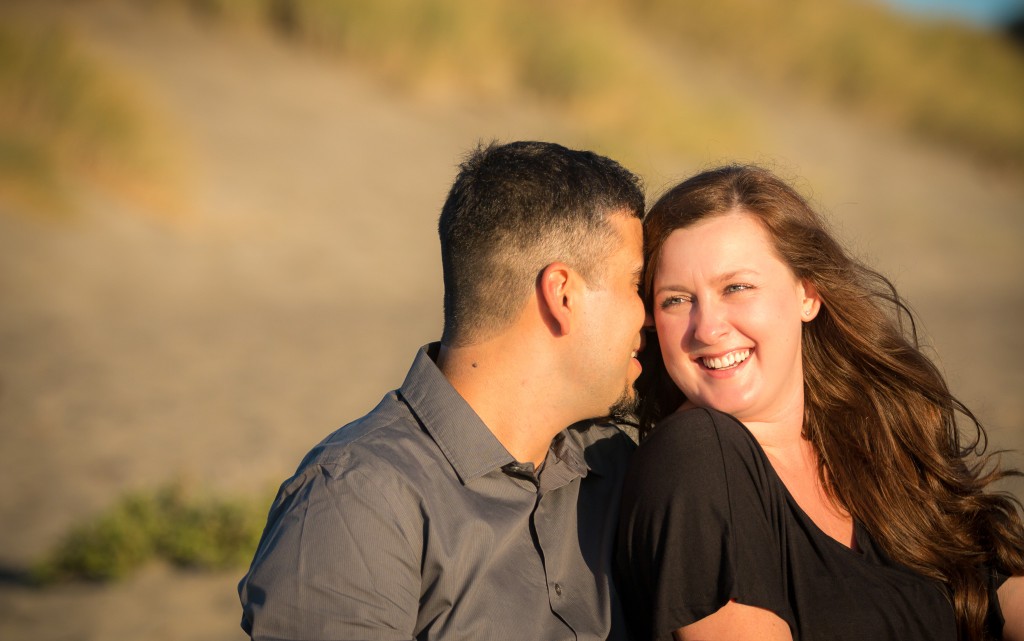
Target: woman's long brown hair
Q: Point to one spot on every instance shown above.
(876, 409)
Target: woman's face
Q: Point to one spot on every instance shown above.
(729, 314)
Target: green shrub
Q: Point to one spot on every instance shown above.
(170, 523)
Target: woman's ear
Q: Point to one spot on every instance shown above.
(811, 301)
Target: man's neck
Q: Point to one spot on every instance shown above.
(504, 382)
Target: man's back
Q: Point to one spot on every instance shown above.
(415, 522)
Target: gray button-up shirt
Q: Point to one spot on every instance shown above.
(414, 522)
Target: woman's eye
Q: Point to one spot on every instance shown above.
(672, 301)
(738, 287)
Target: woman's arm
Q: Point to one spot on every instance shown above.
(1011, 602)
(737, 622)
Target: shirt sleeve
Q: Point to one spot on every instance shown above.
(336, 561)
(697, 527)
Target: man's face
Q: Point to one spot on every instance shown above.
(614, 316)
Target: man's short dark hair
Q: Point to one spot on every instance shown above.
(513, 210)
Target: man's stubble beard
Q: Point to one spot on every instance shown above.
(624, 409)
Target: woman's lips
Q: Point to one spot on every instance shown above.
(725, 361)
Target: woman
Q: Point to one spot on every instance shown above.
(805, 478)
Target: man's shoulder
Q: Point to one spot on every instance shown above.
(606, 446)
(597, 431)
(389, 436)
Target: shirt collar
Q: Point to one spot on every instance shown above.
(568, 450)
(467, 443)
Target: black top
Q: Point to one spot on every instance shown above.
(414, 522)
(705, 519)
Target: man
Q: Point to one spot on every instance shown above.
(462, 507)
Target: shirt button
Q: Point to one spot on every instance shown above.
(558, 589)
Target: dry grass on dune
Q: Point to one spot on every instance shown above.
(943, 81)
(606, 64)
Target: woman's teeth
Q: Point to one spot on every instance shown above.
(729, 360)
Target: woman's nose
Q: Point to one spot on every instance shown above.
(709, 325)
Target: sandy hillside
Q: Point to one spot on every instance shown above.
(221, 346)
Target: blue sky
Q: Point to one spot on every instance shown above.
(984, 12)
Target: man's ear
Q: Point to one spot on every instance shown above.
(557, 288)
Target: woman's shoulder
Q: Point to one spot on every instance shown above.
(694, 431)
(700, 448)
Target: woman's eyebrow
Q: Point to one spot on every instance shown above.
(721, 278)
(670, 288)
(738, 273)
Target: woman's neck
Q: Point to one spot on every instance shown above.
(795, 461)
